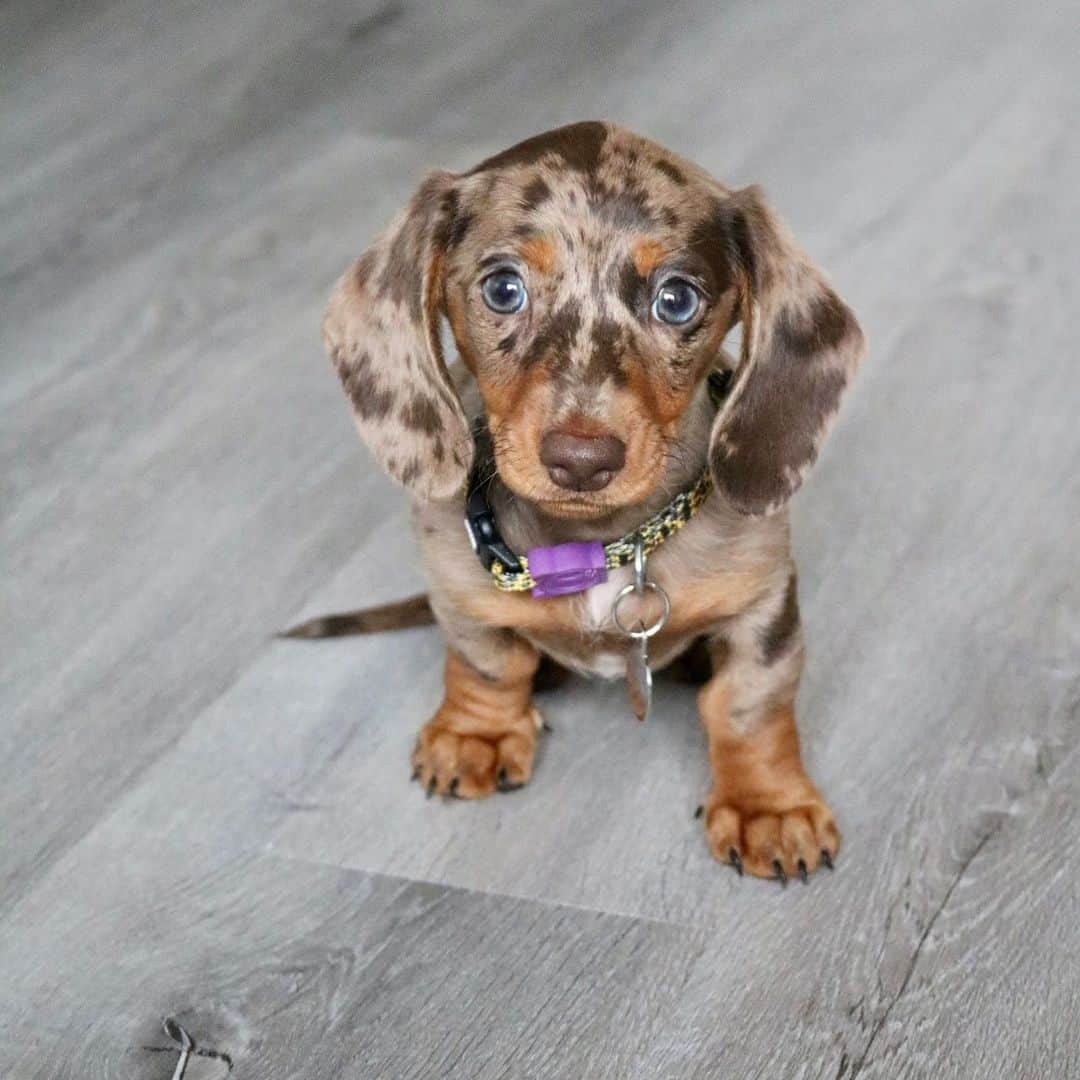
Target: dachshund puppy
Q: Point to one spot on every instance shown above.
(589, 279)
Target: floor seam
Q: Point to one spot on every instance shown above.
(497, 894)
(1045, 784)
(917, 952)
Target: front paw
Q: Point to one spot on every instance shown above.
(775, 837)
(470, 765)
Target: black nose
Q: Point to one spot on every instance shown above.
(582, 464)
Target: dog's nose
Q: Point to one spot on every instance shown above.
(582, 463)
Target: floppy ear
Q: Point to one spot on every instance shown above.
(381, 329)
(801, 345)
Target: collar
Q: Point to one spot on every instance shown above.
(574, 567)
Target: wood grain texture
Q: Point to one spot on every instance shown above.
(199, 821)
(298, 971)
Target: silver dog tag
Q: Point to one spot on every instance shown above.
(638, 674)
(639, 678)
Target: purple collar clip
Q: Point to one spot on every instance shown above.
(567, 568)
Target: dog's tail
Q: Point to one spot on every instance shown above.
(399, 615)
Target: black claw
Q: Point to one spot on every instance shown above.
(431, 787)
(735, 860)
(504, 782)
(546, 727)
(415, 774)
(780, 875)
(699, 810)
(454, 785)
(804, 876)
(826, 858)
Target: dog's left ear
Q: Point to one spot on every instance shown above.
(801, 345)
(381, 329)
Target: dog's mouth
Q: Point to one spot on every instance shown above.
(534, 486)
(579, 508)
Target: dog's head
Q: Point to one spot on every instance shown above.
(589, 278)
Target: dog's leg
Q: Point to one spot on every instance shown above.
(484, 735)
(764, 813)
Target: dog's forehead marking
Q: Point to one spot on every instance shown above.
(622, 177)
(647, 255)
(538, 251)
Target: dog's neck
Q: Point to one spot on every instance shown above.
(525, 525)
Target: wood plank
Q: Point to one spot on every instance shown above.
(991, 989)
(302, 971)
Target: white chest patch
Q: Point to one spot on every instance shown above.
(596, 618)
(608, 665)
(596, 607)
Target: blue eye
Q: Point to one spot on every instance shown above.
(504, 292)
(676, 302)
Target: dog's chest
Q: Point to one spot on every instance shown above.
(596, 621)
(578, 630)
(585, 637)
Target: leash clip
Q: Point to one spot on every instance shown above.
(484, 535)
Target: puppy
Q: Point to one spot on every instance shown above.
(589, 278)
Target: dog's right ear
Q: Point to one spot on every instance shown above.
(381, 329)
(801, 346)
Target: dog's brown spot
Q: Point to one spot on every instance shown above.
(536, 192)
(577, 146)
(623, 209)
(509, 343)
(778, 635)
(648, 255)
(633, 288)
(557, 336)
(713, 242)
(362, 269)
(459, 228)
(370, 399)
(401, 272)
(421, 413)
(539, 253)
(608, 344)
(825, 324)
(453, 223)
(671, 171)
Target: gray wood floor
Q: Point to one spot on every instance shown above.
(201, 823)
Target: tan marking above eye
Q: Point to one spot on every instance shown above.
(647, 255)
(539, 253)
